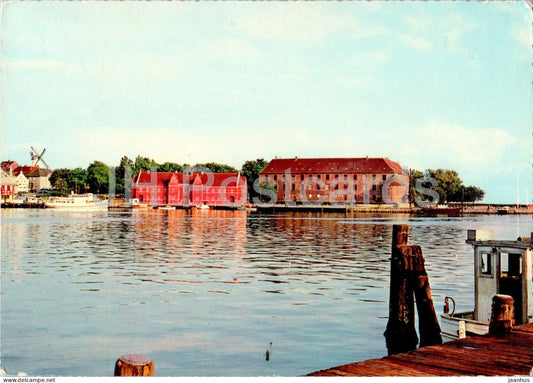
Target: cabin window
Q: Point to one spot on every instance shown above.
(486, 264)
(511, 264)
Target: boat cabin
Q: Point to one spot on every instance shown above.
(502, 267)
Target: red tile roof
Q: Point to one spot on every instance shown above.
(215, 179)
(332, 165)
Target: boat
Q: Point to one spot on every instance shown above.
(77, 202)
(500, 267)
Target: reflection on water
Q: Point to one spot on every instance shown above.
(205, 293)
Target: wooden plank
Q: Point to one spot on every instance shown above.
(507, 355)
(381, 367)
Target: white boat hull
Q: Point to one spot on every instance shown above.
(461, 325)
(103, 205)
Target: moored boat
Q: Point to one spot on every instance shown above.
(77, 202)
(500, 267)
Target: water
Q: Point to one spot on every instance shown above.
(207, 293)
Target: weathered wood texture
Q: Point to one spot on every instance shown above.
(502, 315)
(400, 334)
(510, 354)
(134, 365)
(409, 279)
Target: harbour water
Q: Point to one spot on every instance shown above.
(208, 293)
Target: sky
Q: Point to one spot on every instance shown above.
(427, 84)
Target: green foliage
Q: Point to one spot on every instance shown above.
(263, 197)
(251, 170)
(58, 174)
(449, 184)
(170, 167)
(468, 194)
(143, 164)
(413, 176)
(61, 186)
(217, 168)
(98, 177)
(77, 180)
(120, 173)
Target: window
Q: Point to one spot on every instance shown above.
(346, 177)
(354, 187)
(318, 187)
(319, 176)
(293, 187)
(384, 177)
(275, 177)
(336, 176)
(327, 177)
(485, 264)
(355, 177)
(374, 187)
(511, 264)
(301, 177)
(310, 178)
(373, 176)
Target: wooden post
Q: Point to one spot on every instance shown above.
(134, 365)
(400, 334)
(428, 324)
(502, 316)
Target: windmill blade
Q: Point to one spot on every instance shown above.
(45, 164)
(34, 151)
(44, 150)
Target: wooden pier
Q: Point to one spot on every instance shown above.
(505, 355)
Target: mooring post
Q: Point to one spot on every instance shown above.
(400, 334)
(428, 324)
(134, 365)
(502, 315)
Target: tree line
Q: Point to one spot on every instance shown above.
(447, 184)
(95, 179)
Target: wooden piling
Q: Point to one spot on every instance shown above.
(502, 315)
(134, 365)
(400, 334)
(428, 324)
(409, 279)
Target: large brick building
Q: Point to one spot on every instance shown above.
(193, 189)
(337, 180)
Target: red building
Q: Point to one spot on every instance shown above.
(7, 187)
(194, 189)
(337, 180)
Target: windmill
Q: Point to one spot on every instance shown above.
(36, 157)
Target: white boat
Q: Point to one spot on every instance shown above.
(500, 267)
(77, 202)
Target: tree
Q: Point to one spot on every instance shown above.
(76, 180)
(449, 184)
(413, 176)
(251, 170)
(98, 177)
(120, 173)
(217, 168)
(61, 186)
(265, 197)
(144, 164)
(473, 194)
(58, 174)
(170, 167)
